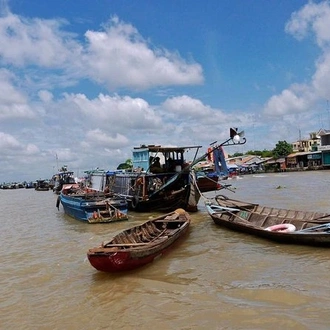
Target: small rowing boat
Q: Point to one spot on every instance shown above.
(140, 245)
(280, 225)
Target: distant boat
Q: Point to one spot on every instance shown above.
(30, 185)
(207, 181)
(140, 245)
(61, 178)
(42, 185)
(276, 224)
(91, 206)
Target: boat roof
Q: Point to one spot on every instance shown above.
(158, 148)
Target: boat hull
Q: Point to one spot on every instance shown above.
(310, 228)
(94, 211)
(164, 192)
(111, 258)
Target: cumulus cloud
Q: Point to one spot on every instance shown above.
(97, 137)
(35, 42)
(45, 96)
(10, 145)
(114, 111)
(120, 57)
(192, 110)
(298, 98)
(117, 56)
(8, 141)
(186, 106)
(321, 77)
(312, 20)
(13, 102)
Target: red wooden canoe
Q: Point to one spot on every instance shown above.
(140, 245)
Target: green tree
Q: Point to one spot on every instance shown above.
(282, 149)
(126, 166)
(236, 154)
(264, 153)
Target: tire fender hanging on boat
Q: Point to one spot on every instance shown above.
(282, 228)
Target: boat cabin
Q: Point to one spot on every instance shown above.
(158, 159)
(65, 177)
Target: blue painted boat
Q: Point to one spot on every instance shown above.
(92, 206)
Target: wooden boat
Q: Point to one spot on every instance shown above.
(162, 180)
(157, 185)
(207, 181)
(280, 225)
(140, 245)
(61, 178)
(92, 206)
(42, 185)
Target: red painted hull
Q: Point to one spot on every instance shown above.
(119, 262)
(111, 258)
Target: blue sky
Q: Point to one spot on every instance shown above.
(86, 81)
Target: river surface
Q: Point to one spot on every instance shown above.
(214, 279)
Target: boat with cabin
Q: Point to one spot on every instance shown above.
(62, 177)
(90, 205)
(162, 179)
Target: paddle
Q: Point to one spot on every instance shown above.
(230, 211)
(326, 226)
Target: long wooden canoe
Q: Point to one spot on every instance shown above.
(281, 225)
(140, 245)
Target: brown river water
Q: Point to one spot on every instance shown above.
(214, 279)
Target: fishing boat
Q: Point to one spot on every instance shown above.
(61, 178)
(140, 245)
(42, 185)
(92, 206)
(162, 179)
(277, 224)
(207, 181)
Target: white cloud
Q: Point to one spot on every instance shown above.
(45, 96)
(313, 19)
(114, 112)
(97, 137)
(120, 57)
(11, 145)
(321, 77)
(35, 41)
(8, 142)
(13, 102)
(186, 106)
(294, 100)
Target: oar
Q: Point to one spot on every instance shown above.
(321, 219)
(230, 211)
(325, 227)
(223, 208)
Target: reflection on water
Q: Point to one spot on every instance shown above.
(215, 278)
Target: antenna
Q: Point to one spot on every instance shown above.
(328, 112)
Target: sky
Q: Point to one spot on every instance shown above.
(84, 82)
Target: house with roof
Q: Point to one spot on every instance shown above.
(311, 153)
(325, 147)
